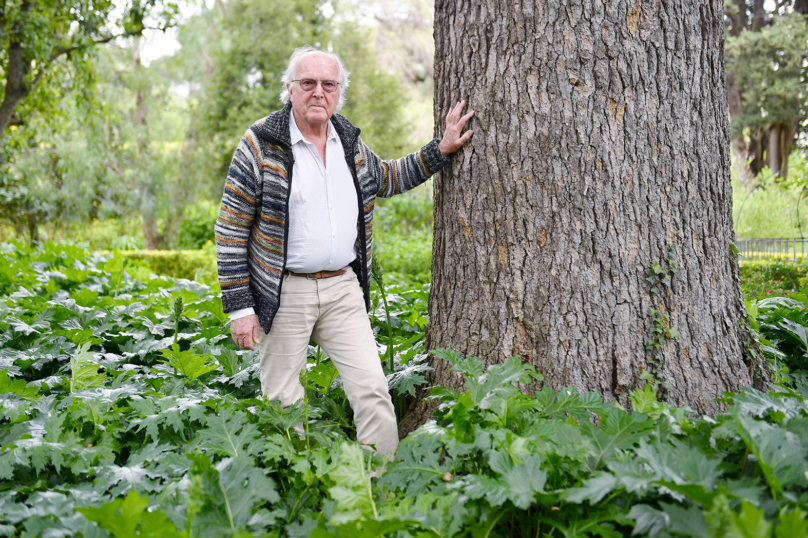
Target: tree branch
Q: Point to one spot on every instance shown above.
(107, 39)
(16, 88)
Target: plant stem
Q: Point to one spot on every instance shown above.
(306, 403)
(745, 458)
(227, 505)
(389, 328)
(368, 488)
(292, 513)
(488, 532)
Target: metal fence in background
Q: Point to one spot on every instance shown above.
(784, 250)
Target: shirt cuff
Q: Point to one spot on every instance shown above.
(241, 313)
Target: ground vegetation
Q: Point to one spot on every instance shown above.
(127, 410)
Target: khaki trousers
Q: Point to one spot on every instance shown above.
(330, 311)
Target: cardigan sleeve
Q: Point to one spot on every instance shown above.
(400, 175)
(234, 226)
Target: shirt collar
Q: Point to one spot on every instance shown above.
(296, 136)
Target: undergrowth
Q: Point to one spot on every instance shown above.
(127, 411)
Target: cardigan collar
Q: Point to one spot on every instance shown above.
(276, 127)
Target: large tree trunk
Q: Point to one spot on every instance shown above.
(601, 141)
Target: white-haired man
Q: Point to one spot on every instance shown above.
(294, 238)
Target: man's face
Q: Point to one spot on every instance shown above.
(314, 106)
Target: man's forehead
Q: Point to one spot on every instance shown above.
(316, 64)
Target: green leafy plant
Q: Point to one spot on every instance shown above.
(188, 363)
(128, 517)
(201, 453)
(377, 273)
(84, 370)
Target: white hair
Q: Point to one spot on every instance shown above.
(289, 74)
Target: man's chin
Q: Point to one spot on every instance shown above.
(320, 116)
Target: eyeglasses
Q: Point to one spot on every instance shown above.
(308, 84)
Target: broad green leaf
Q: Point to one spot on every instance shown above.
(644, 400)
(126, 518)
(188, 363)
(497, 380)
(516, 483)
(408, 378)
(227, 433)
(16, 386)
(687, 522)
(366, 528)
(751, 523)
(84, 371)
(620, 431)
(567, 401)
(224, 496)
(792, 524)
(680, 464)
(632, 475)
(470, 367)
(419, 463)
(229, 361)
(352, 489)
(240, 499)
(594, 488)
(120, 480)
(780, 453)
(23, 327)
(170, 412)
(760, 404)
(648, 519)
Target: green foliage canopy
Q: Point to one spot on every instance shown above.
(768, 67)
(248, 48)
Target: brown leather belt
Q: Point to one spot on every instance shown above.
(319, 274)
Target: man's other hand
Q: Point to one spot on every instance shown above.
(245, 331)
(452, 139)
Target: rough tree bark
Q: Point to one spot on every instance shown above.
(601, 148)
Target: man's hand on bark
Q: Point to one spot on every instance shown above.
(245, 331)
(452, 139)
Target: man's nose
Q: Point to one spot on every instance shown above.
(318, 90)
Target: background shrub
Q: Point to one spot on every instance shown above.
(199, 264)
(761, 279)
(197, 225)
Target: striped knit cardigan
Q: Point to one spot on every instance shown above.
(253, 223)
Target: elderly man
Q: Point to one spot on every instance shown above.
(294, 238)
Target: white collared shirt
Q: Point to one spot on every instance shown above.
(323, 208)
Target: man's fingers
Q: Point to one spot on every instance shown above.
(453, 136)
(454, 112)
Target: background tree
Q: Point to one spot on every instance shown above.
(246, 58)
(116, 146)
(160, 136)
(766, 76)
(587, 226)
(37, 35)
(403, 43)
(47, 60)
